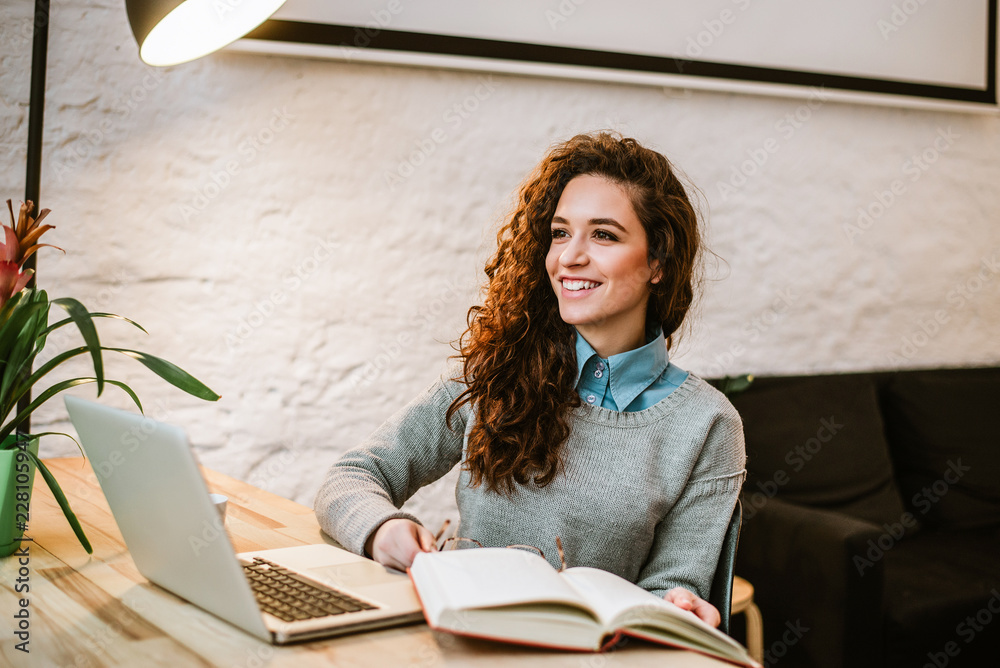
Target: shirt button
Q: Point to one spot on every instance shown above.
(600, 365)
(598, 373)
(591, 398)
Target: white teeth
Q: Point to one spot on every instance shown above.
(579, 285)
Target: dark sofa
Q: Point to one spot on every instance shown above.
(872, 517)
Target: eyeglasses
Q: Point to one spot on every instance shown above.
(455, 540)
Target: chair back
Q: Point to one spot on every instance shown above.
(721, 595)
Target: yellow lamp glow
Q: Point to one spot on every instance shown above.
(170, 32)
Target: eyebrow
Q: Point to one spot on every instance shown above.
(593, 221)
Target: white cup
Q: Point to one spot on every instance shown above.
(220, 502)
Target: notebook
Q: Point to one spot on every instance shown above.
(178, 541)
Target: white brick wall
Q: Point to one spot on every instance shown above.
(243, 208)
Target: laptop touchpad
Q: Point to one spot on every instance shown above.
(357, 574)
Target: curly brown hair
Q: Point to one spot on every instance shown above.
(519, 357)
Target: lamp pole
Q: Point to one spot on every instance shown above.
(36, 115)
(36, 108)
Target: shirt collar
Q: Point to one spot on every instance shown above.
(632, 371)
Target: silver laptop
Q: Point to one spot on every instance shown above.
(178, 541)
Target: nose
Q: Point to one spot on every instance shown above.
(574, 253)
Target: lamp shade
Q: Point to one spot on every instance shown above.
(170, 32)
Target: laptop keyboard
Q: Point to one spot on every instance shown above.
(291, 598)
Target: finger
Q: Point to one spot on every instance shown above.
(425, 540)
(409, 543)
(708, 613)
(681, 597)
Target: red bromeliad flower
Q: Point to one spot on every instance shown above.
(20, 243)
(29, 230)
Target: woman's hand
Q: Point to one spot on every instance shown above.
(397, 541)
(685, 600)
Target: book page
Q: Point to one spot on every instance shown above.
(620, 604)
(489, 577)
(723, 647)
(609, 595)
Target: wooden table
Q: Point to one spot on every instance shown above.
(87, 611)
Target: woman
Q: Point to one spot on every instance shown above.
(566, 414)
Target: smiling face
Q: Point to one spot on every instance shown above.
(598, 264)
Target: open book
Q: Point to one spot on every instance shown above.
(516, 596)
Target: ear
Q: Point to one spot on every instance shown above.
(654, 266)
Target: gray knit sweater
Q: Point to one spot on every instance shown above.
(646, 495)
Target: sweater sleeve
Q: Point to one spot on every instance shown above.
(369, 483)
(688, 539)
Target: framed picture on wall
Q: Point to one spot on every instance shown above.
(899, 52)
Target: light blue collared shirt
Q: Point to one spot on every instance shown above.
(635, 379)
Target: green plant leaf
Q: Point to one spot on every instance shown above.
(63, 323)
(128, 390)
(41, 371)
(734, 385)
(57, 492)
(85, 323)
(9, 307)
(171, 373)
(62, 357)
(13, 328)
(19, 437)
(26, 346)
(56, 433)
(52, 391)
(17, 339)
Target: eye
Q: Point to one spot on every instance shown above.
(558, 233)
(605, 235)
